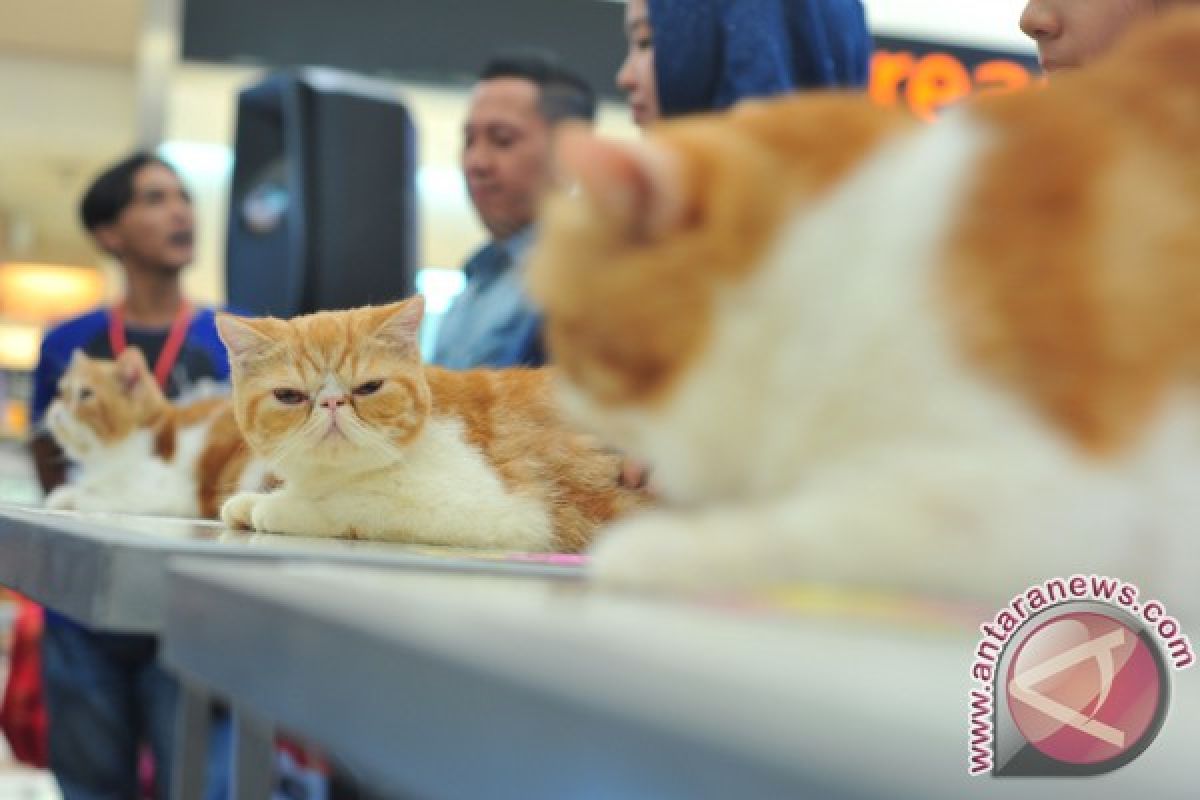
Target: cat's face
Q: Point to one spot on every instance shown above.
(100, 403)
(631, 262)
(336, 388)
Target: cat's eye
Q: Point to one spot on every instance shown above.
(291, 397)
(85, 394)
(370, 387)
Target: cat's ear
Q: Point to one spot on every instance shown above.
(399, 324)
(132, 370)
(139, 386)
(636, 185)
(243, 338)
(78, 359)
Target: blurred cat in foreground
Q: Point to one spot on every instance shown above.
(955, 358)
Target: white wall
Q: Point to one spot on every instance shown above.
(984, 23)
(60, 122)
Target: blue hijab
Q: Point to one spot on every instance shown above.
(711, 53)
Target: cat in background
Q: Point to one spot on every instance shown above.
(371, 443)
(138, 453)
(958, 358)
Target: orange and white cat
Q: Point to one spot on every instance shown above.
(139, 454)
(370, 443)
(962, 357)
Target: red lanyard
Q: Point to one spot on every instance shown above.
(170, 352)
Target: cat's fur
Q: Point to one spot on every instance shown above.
(138, 453)
(477, 458)
(960, 357)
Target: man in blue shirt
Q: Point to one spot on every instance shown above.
(106, 694)
(506, 161)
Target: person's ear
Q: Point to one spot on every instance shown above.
(109, 239)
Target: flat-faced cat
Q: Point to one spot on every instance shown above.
(370, 443)
(958, 358)
(137, 452)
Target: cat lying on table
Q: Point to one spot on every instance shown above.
(960, 358)
(137, 452)
(371, 443)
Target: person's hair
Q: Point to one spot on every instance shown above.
(112, 192)
(562, 94)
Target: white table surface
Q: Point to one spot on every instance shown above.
(472, 686)
(109, 571)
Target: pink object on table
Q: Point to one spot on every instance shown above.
(555, 559)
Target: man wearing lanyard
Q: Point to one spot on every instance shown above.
(106, 694)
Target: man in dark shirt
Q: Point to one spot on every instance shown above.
(106, 694)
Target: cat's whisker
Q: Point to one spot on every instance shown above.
(362, 435)
(289, 447)
(308, 435)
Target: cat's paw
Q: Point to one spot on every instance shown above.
(656, 550)
(281, 512)
(718, 550)
(64, 498)
(237, 512)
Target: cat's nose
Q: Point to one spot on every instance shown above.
(332, 402)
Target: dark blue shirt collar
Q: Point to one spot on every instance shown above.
(499, 254)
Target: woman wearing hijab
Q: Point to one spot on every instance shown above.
(687, 56)
(700, 55)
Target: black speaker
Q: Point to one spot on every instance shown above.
(322, 213)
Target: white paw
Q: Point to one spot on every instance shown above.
(280, 512)
(716, 550)
(655, 550)
(64, 498)
(268, 516)
(237, 511)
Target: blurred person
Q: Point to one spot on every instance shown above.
(506, 161)
(139, 213)
(1071, 33)
(106, 694)
(687, 56)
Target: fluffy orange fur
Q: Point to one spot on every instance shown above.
(390, 398)
(510, 415)
(630, 273)
(222, 463)
(102, 404)
(861, 349)
(108, 398)
(1070, 273)
(1087, 298)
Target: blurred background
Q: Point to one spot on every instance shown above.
(82, 82)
